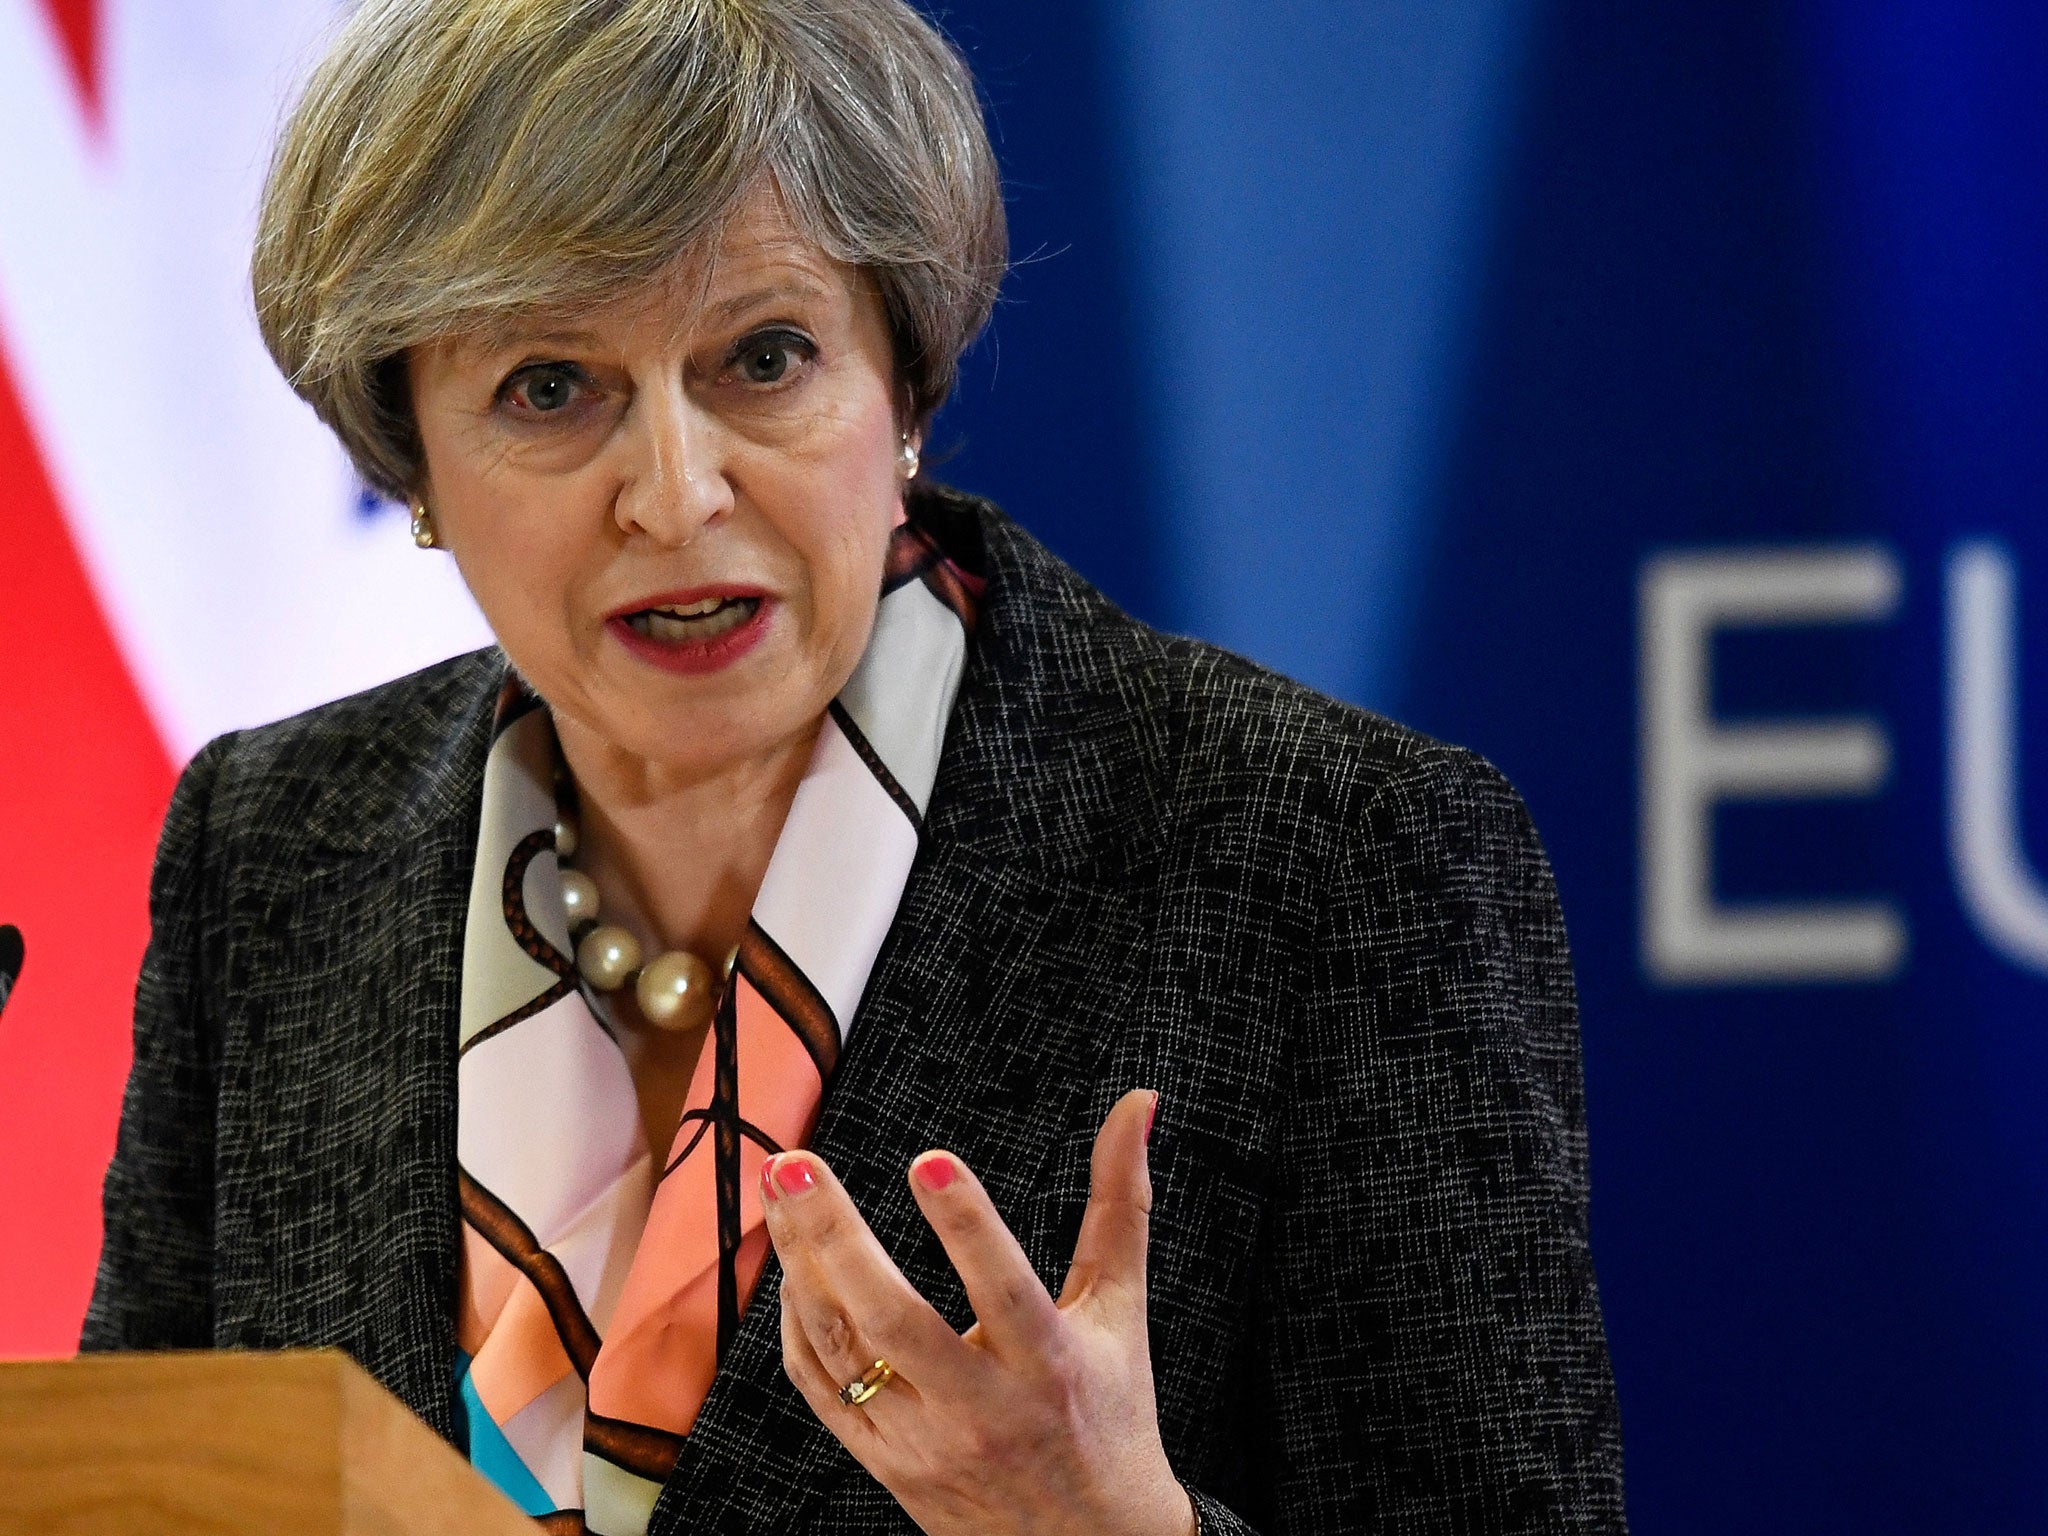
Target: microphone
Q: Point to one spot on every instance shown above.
(10, 959)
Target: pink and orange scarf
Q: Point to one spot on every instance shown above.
(601, 1285)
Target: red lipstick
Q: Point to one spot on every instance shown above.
(679, 651)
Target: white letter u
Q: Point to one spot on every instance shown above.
(1998, 889)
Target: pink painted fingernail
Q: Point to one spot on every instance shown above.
(1151, 1115)
(934, 1170)
(767, 1180)
(793, 1175)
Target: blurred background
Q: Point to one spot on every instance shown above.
(1650, 396)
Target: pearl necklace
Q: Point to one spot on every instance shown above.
(676, 990)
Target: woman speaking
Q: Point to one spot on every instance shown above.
(828, 1025)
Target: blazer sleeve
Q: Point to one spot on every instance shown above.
(1431, 1346)
(154, 1287)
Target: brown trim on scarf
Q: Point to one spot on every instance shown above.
(725, 1130)
(499, 1226)
(858, 740)
(634, 1448)
(524, 930)
(521, 1014)
(792, 995)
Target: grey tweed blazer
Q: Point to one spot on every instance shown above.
(1331, 944)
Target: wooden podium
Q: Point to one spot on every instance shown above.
(302, 1444)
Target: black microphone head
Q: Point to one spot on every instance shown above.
(10, 958)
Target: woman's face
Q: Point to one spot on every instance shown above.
(673, 510)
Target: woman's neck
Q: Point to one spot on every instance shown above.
(680, 856)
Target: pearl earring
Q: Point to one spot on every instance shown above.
(423, 533)
(909, 458)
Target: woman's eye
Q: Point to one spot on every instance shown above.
(542, 390)
(771, 358)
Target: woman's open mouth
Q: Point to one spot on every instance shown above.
(693, 623)
(694, 632)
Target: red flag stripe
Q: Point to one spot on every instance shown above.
(84, 781)
(77, 24)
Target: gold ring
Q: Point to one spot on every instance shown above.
(872, 1380)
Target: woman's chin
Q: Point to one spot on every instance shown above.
(698, 721)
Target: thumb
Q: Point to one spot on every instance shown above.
(1110, 1253)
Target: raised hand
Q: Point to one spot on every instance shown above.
(1041, 1417)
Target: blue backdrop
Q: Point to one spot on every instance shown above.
(1651, 397)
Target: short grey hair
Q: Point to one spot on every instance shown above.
(454, 164)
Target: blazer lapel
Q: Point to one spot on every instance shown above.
(345, 1054)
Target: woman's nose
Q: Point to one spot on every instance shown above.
(675, 475)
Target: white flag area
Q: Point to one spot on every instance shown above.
(183, 550)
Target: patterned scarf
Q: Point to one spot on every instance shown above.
(600, 1287)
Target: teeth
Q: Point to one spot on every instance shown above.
(698, 622)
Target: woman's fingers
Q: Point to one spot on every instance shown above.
(1041, 1410)
(850, 1299)
(1109, 1256)
(1018, 1319)
(863, 1428)
(803, 1367)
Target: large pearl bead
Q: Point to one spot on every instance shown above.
(579, 898)
(607, 956)
(677, 991)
